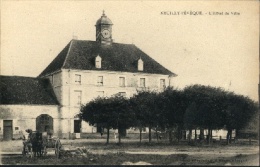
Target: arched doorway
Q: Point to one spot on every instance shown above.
(44, 123)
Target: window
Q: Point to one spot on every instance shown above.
(122, 94)
(100, 93)
(98, 62)
(142, 82)
(140, 65)
(78, 79)
(100, 81)
(16, 128)
(78, 96)
(162, 83)
(122, 81)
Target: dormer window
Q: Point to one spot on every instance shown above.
(140, 65)
(98, 62)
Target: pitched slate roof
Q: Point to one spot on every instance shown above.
(26, 90)
(80, 54)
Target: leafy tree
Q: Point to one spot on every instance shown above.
(139, 116)
(172, 104)
(216, 109)
(239, 111)
(110, 112)
(146, 110)
(124, 113)
(190, 118)
(209, 108)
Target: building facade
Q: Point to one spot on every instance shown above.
(84, 70)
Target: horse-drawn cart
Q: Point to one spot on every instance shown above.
(39, 143)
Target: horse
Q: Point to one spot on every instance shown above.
(37, 144)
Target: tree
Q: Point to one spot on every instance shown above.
(172, 104)
(110, 112)
(239, 111)
(95, 112)
(190, 118)
(216, 109)
(209, 108)
(146, 110)
(139, 116)
(124, 114)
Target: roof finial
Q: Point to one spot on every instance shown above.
(103, 13)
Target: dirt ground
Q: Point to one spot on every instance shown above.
(122, 158)
(131, 151)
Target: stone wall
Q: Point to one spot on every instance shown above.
(24, 116)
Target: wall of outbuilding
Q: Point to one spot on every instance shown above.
(24, 117)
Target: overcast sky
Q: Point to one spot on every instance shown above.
(216, 50)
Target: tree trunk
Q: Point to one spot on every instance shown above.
(119, 138)
(201, 134)
(208, 136)
(189, 136)
(229, 135)
(107, 135)
(195, 135)
(119, 135)
(140, 130)
(150, 134)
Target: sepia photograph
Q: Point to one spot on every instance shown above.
(129, 82)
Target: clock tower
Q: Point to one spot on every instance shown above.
(104, 30)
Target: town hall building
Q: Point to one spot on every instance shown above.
(82, 71)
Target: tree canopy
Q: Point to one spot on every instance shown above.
(195, 106)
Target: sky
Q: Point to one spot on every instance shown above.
(218, 48)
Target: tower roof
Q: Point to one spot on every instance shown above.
(104, 20)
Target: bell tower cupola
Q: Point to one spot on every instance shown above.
(104, 30)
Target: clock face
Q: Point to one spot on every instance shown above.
(105, 33)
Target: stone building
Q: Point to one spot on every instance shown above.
(26, 102)
(84, 70)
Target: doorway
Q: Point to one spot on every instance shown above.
(44, 123)
(8, 130)
(77, 126)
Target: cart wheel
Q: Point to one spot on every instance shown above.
(57, 147)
